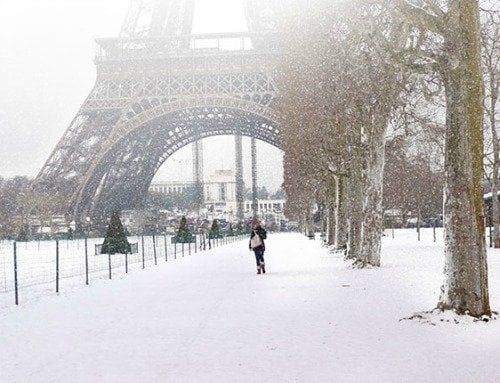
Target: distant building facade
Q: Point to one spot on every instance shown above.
(265, 206)
(219, 194)
(170, 187)
(219, 191)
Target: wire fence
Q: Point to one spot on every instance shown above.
(27, 264)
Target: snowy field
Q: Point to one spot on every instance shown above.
(209, 318)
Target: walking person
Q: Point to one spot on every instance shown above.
(257, 245)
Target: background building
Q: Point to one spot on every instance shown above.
(219, 191)
(219, 197)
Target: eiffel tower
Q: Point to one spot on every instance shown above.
(158, 88)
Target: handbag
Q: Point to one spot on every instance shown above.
(256, 241)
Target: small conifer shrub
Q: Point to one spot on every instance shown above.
(115, 241)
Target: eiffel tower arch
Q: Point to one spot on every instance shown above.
(159, 88)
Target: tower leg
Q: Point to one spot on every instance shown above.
(198, 174)
(255, 207)
(239, 176)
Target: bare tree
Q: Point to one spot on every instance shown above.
(411, 185)
(13, 214)
(338, 93)
(490, 41)
(436, 37)
(452, 27)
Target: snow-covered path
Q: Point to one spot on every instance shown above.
(210, 318)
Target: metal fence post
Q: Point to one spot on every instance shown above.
(142, 246)
(175, 249)
(154, 249)
(109, 264)
(15, 273)
(182, 249)
(165, 241)
(189, 248)
(126, 262)
(57, 266)
(86, 262)
(434, 229)
(195, 243)
(491, 236)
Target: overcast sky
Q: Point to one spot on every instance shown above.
(46, 71)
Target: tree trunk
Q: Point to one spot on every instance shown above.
(465, 287)
(331, 209)
(355, 209)
(308, 220)
(418, 223)
(340, 214)
(373, 217)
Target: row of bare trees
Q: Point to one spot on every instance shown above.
(19, 203)
(490, 39)
(353, 73)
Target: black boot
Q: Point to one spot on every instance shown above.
(263, 267)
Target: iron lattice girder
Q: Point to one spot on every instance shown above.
(188, 48)
(147, 18)
(183, 122)
(75, 151)
(112, 93)
(132, 93)
(147, 104)
(163, 136)
(235, 73)
(234, 84)
(93, 145)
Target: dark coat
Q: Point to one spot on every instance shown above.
(261, 232)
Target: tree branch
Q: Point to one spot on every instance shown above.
(421, 18)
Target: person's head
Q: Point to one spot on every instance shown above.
(255, 223)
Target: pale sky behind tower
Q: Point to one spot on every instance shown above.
(47, 50)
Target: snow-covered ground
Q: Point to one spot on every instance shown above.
(209, 318)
